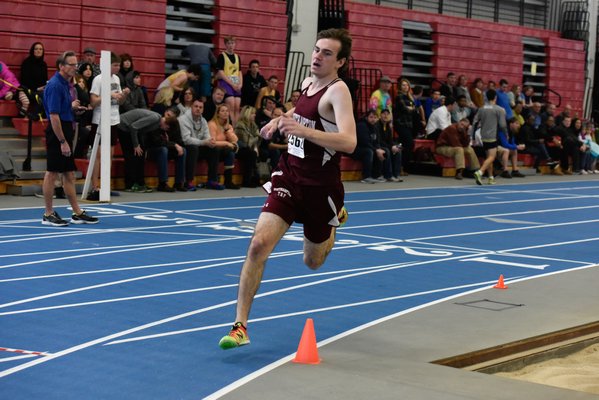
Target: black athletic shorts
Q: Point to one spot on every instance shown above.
(56, 161)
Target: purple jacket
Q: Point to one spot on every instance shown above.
(8, 76)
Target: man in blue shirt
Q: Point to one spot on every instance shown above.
(503, 99)
(60, 102)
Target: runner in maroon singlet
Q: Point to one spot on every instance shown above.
(306, 187)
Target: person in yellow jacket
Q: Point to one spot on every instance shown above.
(229, 77)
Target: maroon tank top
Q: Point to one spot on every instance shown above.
(308, 163)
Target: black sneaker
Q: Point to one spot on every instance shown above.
(179, 187)
(164, 187)
(53, 220)
(517, 174)
(506, 174)
(94, 195)
(83, 218)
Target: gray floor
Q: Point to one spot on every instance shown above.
(392, 359)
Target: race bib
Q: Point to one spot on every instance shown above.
(295, 146)
(234, 79)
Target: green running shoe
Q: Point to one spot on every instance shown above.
(237, 336)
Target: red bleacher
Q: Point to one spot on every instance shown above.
(8, 108)
(38, 128)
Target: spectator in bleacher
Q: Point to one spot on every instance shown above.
(10, 89)
(508, 148)
(515, 95)
(477, 93)
(265, 113)
(461, 109)
(381, 98)
(440, 119)
(186, 100)
(228, 66)
(589, 158)
(535, 144)
(166, 144)
(491, 119)
(83, 117)
(535, 111)
(249, 146)
(518, 109)
(368, 150)
(135, 98)
(549, 110)
(448, 89)
(566, 112)
(34, 70)
(553, 143)
(527, 96)
(462, 90)
(89, 56)
(270, 90)
(419, 122)
(173, 85)
(576, 128)
(503, 99)
(386, 138)
(276, 145)
(454, 142)
(126, 67)
(433, 102)
(403, 123)
(490, 85)
(253, 81)
(217, 98)
(136, 131)
(87, 72)
(199, 146)
(571, 147)
(117, 97)
(59, 103)
(201, 55)
(225, 139)
(293, 98)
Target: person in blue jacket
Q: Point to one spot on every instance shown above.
(508, 149)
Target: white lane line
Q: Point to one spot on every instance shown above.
(256, 374)
(304, 312)
(151, 295)
(513, 229)
(125, 250)
(151, 276)
(198, 311)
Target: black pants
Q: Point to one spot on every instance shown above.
(248, 158)
(195, 153)
(134, 164)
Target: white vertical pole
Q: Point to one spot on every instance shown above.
(105, 126)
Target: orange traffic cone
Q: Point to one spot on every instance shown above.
(500, 284)
(307, 352)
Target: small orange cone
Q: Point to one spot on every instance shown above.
(500, 284)
(307, 352)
